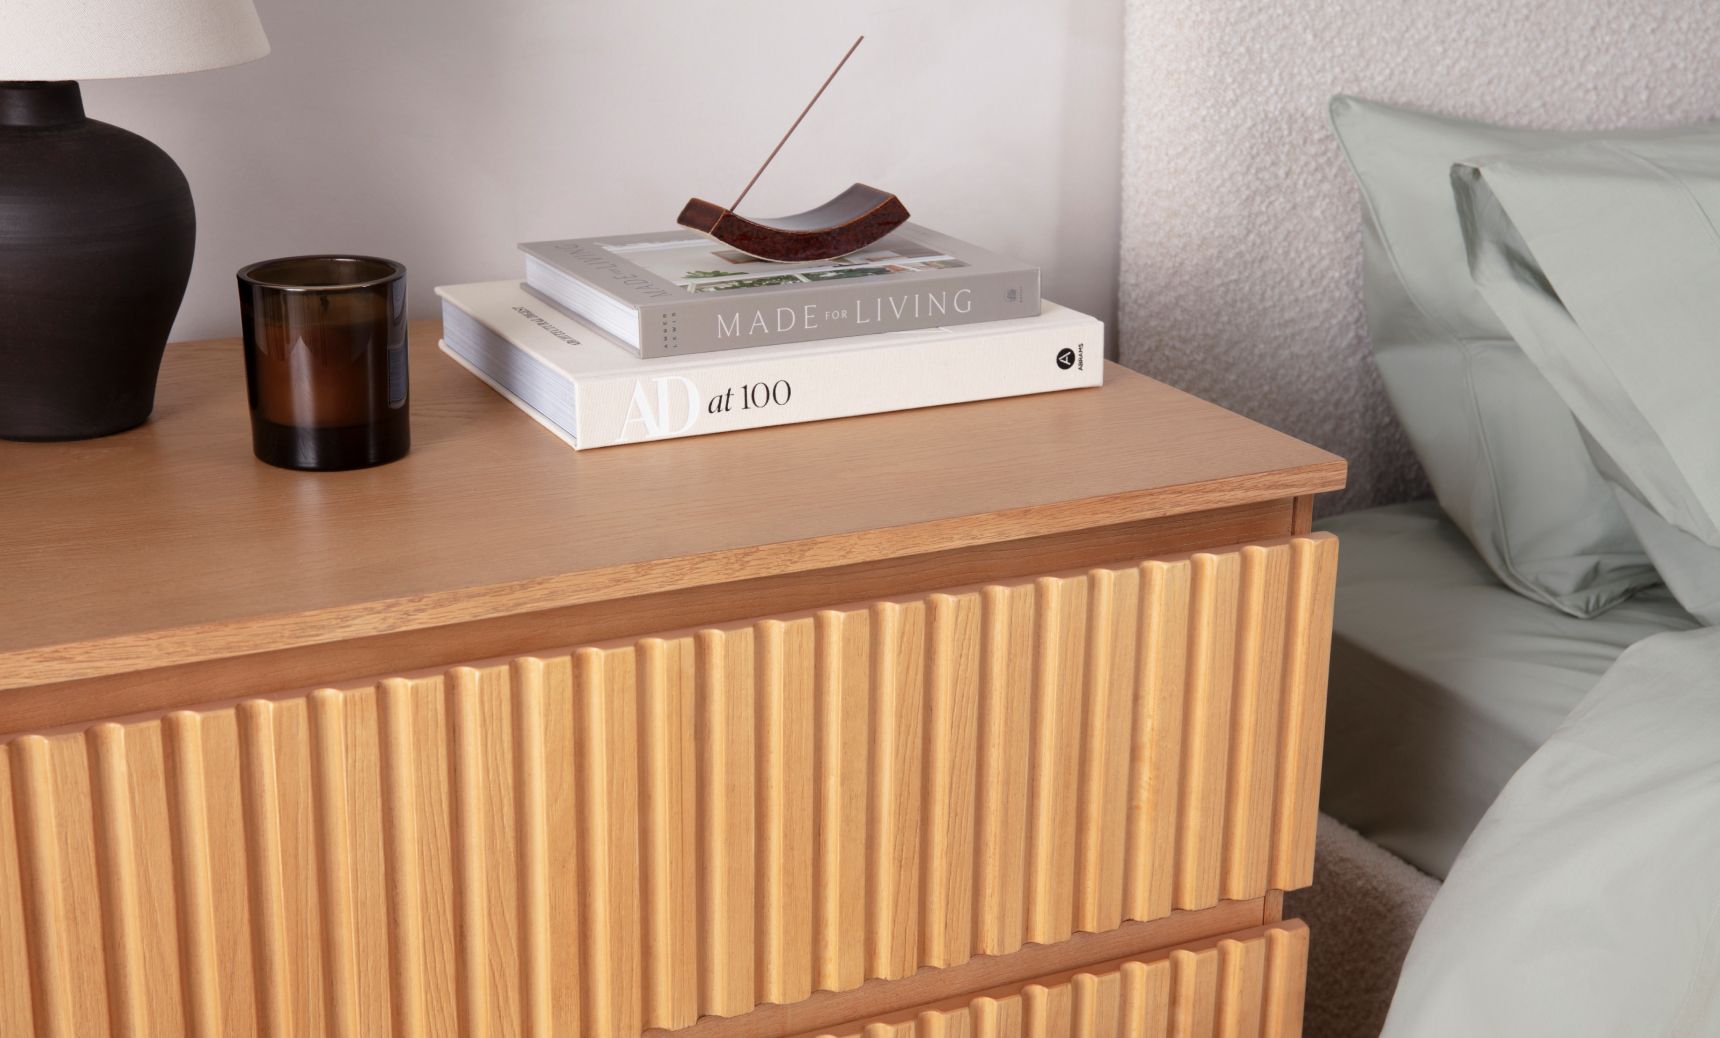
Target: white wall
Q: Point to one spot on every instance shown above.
(442, 132)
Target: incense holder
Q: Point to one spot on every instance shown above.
(852, 220)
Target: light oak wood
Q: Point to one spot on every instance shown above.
(1274, 905)
(83, 701)
(1236, 986)
(877, 999)
(170, 545)
(736, 815)
(1301, 717)
(1020, 772)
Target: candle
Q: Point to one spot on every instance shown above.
(325, 360)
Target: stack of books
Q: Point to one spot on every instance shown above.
(654, 336)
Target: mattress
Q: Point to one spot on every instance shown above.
(1444, 681)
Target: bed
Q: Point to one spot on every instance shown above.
(1487, 643)
(1526, 679)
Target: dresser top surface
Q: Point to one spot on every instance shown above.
(139, 548)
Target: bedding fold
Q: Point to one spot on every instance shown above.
(1587, 902)
(1444, 680)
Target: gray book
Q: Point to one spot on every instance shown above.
(677, 292)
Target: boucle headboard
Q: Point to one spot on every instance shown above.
(1241, 246)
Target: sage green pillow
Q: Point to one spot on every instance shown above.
(1603, 259)
(1499, 445)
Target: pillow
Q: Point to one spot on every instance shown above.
(1499, 445)
(1603, 259)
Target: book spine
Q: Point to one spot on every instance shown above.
(705, 322)
(672, 401)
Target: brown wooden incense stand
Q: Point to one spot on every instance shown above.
(852, 220)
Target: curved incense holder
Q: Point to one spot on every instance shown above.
(852, 220)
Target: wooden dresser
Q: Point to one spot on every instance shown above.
(997, 719)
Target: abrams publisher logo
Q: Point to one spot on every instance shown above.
(1072, 357)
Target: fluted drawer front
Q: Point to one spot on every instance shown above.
(632, 835)
(1249, 986)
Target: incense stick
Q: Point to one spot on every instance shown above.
(796, 125)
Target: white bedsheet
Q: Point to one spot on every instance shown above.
(1587, 902)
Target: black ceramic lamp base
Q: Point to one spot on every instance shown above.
(96, 236)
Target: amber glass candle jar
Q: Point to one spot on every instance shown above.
(325, 360)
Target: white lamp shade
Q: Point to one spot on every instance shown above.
(111, 39)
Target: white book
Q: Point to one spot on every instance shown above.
(594, 393)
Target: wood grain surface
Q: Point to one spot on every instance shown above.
(171, 544)
(116, 696)
(635, 834)
(954, 985)
(1244, 985)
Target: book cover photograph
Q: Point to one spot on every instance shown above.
(700, 264)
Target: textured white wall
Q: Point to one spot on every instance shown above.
(442, 132)
(1241, 268)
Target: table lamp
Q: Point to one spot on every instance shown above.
(96, 223)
